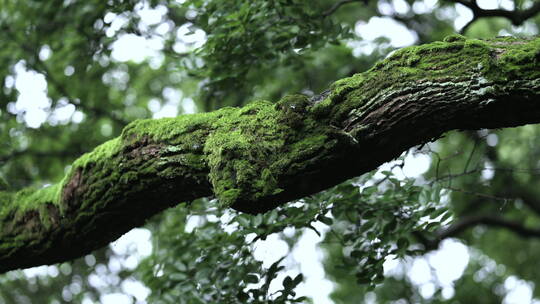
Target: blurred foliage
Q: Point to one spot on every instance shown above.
(68, 84)
(206, 264)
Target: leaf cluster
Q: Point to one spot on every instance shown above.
(243, 36)
(377, 222)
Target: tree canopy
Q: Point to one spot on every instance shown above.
(324, 107)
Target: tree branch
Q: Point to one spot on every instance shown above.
(262, 155)
(517, 17)
(515, 188)
(488, 220)
(476, 220)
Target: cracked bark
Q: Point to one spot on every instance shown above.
(413, 97)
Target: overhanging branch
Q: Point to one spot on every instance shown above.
(264, 154)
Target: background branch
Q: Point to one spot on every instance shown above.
(467, 222)
(517, 17)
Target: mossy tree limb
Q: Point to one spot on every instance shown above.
(264, 154)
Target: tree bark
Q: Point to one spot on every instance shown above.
(257, 157)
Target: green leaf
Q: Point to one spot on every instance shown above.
(288, 283)
(432, 226)
(243, 221)
(252, 278)
(368, 191)
(257, 220)
(271, 218)
(324, 219)
(298, 279)
(403, 244)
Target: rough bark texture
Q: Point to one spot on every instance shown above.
(264, 154)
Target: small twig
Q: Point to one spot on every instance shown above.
(470, 156)
(314, 229)
(504, 199)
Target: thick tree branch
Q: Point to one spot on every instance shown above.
(262, 155)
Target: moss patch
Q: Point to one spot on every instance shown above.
(241, 152)
(516, 60)
(456, 58)
(21, 202)
(103, 151)
(245, 149)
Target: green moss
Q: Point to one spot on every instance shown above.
(172, 130)
(103, 151)
(294, 103)
(516, 60)
(229, 197)
(456, 58)
(345, 85)
(241, 147)
(293, 109)
(6, 202)
(475, 43)
(454, 38)
(21, 202)
(322, 108)
(28, 199)
(308, 146)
